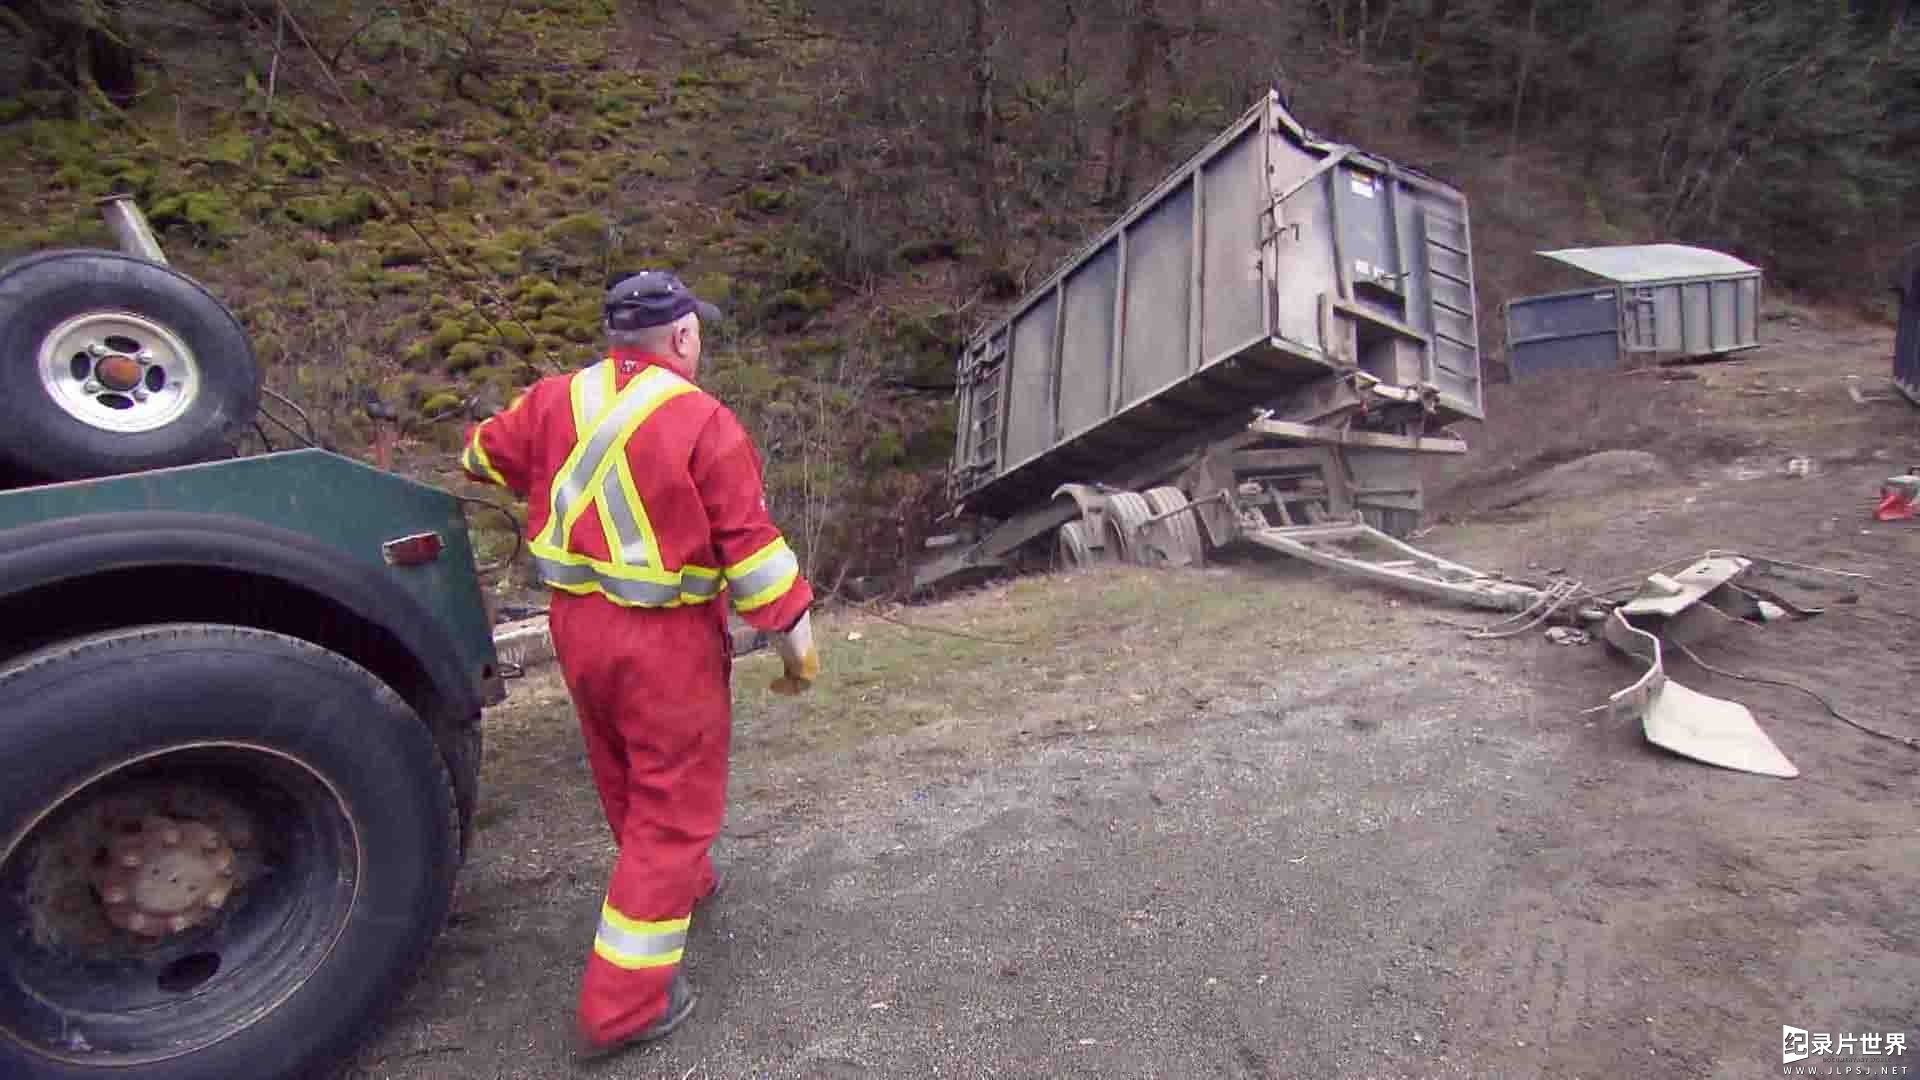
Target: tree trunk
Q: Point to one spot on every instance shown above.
(986, 174)
(76, 47)
(1146, 36)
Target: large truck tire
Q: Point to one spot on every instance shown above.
(112, 364)
(223, 852)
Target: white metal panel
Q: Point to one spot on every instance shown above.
(1639, 263)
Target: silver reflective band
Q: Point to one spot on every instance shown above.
(628, 541)
(573, 486)
(647, 593)
(776, 569)
(638, 946)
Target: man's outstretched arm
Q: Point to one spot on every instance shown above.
(763, 575)
(499, 448)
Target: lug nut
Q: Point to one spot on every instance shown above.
(96, 349)
(93, 386)
(145, 357)
(140, 395)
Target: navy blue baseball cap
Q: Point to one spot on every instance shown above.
(653, 298)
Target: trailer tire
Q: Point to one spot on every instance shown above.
(282, 777)
(1127, 535)
(1075, 552)
(116, 364)
(1181, 531)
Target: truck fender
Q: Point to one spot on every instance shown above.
(72, 548)
(1093, 510)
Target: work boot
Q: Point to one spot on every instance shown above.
(680, 1002)
(719, 881)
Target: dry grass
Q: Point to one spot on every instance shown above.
(1114, 648)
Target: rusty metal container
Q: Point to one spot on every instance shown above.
(1270, 262)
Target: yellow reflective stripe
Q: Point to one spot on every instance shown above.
(597, 472)
(591, 392)
(615, 540)
(594, 446)
(620, 487)
(629, 416)
(476, 460)
(590, 444)
(633, 944)
(591, 577)
(763, 577)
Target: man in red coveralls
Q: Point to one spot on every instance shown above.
(645, 504)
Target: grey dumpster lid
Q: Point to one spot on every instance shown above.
(1650, 262)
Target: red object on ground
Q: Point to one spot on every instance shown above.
(1895, 506)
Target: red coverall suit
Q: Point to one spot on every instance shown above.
(644, 504)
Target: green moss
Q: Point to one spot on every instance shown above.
(11, 109)
(555, 324)
(460, 191)
(656, 164)
(291, 160)
(767, 201)
(793, 308)
(229, 148)
(449, 333)
(512, 335)
(578, 232)
(400, 283)
(802, 271)
(885, 451)
(333, 214)
(210, 216)
(79, 179)
(813, 348)
(406, 251)
(484, 154)
(466, 356)
(440, 404)
(566, 99)
(541, 295)
(932, 445)
(717, 288)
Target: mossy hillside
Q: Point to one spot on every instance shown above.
(434, 247)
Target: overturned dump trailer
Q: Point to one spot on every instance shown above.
(1259, 349)
(1659, 302)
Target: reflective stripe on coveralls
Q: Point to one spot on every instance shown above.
(632, 944)
(597, 473)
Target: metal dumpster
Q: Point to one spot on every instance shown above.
(1906, 345)
(1269, 262)
(1661, 301)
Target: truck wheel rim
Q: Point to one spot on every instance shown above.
(171, 902)
(116, 371)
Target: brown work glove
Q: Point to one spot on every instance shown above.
(802, 660)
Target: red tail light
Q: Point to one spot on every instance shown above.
(414, 550)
